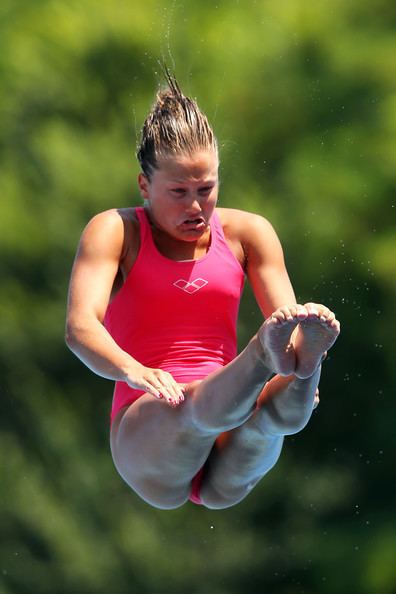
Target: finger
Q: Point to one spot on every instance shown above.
(150, 389)
(175, 393)
(169, 395)
(171, 386)
(169, 398)
(155, 378)
(180, 393)
(155, 387)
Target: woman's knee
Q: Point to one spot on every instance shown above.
(220, 490)
(162, 496)
(207, 421)
(216, 497)
(156, 493)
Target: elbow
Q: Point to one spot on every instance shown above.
(73, 334)
(78, 332)
(70, 336)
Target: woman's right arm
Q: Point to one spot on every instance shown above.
(94, 271)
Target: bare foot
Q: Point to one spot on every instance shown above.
(275, 336)
(315, 335)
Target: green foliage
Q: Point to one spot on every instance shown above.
(302, 96)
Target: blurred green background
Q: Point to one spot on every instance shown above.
(302, 96)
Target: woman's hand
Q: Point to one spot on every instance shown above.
(157, 382)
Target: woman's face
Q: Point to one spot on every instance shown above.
(182, 194)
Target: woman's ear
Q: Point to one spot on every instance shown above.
(143, 184)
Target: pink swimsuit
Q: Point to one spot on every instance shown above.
(179, 316)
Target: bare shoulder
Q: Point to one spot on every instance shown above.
(110, 222)
(110, 232)
(240, 221)
(254, 232)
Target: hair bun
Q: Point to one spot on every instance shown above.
(175, 125)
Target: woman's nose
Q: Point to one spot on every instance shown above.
(194, 205)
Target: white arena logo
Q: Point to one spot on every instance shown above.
(190, 287)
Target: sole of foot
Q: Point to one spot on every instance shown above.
(275, 336)
(315, 336)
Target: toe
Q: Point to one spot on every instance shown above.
(302, 312)
(324, 313)
(312, 309)
(285, 310)
(276, 318)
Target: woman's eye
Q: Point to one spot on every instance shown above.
(205, 190)
(178, 191)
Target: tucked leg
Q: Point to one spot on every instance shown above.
(284, 407)
(158, 449)
(243, 456)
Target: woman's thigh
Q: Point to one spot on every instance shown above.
(158, 449)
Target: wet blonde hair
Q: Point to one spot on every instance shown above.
(174, 126)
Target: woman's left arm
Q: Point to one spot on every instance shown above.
(265, 264)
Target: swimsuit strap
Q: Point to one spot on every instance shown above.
(144, 227)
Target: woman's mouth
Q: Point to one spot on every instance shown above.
(193, 224)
